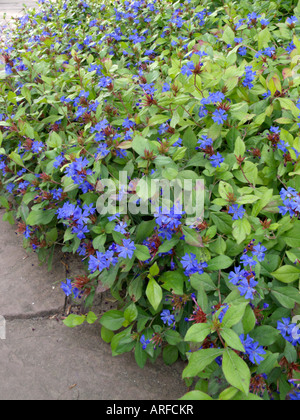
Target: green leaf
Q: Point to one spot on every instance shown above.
(140, 144)
(236, 371)
(122, 342)
(199, 360)
(170, 354)
(173, 280)
(4, 203)
(192, 237)
(112, 320)
(154, 270)
(233, 315)
(228, 394)
(168, 245)
(249, 320)
(91, 318)
(202, 281)
(55, 141)
(286, 296)
(267, 365)
(287, 274)
(241, 229)
(108, 277)
(223, 222)
(106, 334)
(197, 333)
(16, 158)
(131, 313)
(142, 252)
(290, 352)
(228, 35)
(219, 263)
(196, 396)
(140, 355)
(154, 293)
(173, 337)
(225, 189)
(73, 320)
(144, 230)
(158, 119)
(292, 237)
(40, 217)
(265, 335)
(232, 339)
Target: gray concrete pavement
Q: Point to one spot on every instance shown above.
(43, 359)
(27, 289)
(14, 8)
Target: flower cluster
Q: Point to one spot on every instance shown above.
(192, 265)
(291, 202)
(249, 77)
(168, 220)
(244, 277)
(290, 331)
(206, 145)
(254, 351)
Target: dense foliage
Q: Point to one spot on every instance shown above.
(176, 91)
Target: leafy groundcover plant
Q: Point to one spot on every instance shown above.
(176, 91)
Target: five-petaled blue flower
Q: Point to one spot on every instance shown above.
(236, 211)
(219, 116)
(167, 317)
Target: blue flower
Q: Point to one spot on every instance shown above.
(10, 187)
(166, 87)
(101, 152)
(242, 51)
(121, 227)
(205, 142)
(68, 288)
(237, 275)
(223, 312)
(37, 146)
(97, 263)
(27, 232)
(266, 95)
(144, 342)
(264, 22)
(191, 265)
(259, 251)
(249, 77)
(127, 123)
(291, 20)
(236, 211)
(59, 160)
(253, 18)
(220, 116)
(127, 249)
(216, 160)
(187, 69)
(247, 260)
(254, 351)
(80, 231)
(167, 317)
(246, 288)
(289, 331)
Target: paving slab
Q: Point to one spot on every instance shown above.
(44, 360)
(27, 288)
(13, 9)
